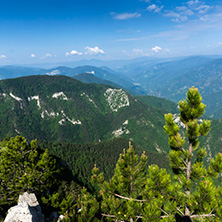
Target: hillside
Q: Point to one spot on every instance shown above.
(172, 79)
(81, 158)
(60, 108)
(110, 75)
(91, 78)
(160, 103)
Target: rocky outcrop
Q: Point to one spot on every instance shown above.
(27, 210)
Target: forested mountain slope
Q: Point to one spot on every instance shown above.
(91, 78)
(60, 108)
(160, 103)
(81, 158)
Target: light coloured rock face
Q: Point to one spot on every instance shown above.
(30, 199)
(15, 97)
(27, 210)
(116, 99)
(37, 99)
(66, 118)
(122, 130)
(177, 120)
(60, 95)
(89, 99)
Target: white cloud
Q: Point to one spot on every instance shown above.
(124, 16)
(197, 25)
(199, 6)
(139, 52)
(190, 3)
(2, 56)
(47, 55)
(192, 10)
(184, 10)
(73, 52)
(156, 49)
(33, 55)
(202, 9)
(154, 8)
(94, 51)
(176, 17)
(151, 7)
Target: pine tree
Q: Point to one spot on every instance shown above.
(87, 207)
(23, 168)
(133, 193)
(198, 198)
(85, 210)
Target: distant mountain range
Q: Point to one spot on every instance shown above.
(91, 78)
(104, 73)
(162, 77)
(171, 79)
(113, 64)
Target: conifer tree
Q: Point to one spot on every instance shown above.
(198, 198)
(133, 193)
(23, 168)
(87, 207)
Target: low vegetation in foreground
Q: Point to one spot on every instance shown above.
(135, 192)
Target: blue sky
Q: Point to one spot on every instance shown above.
(37, 31)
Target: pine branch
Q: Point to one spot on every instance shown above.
(203, 215)
(164, 211)
(127, 198)
(179, 211)
(29, 151)
(138, 169)
(112, 216)
(179, 179)
(184, 162)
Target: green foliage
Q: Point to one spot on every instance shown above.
(163, 104)
(64, 198)
(84, 210)
(198, 194)
(23, 168)
(87, 207)
(133, 192)
(82, 157)
(213, 140)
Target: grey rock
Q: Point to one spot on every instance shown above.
(28, 198)
(27, 210)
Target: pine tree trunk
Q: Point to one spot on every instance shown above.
(187, 211)
(131, 177)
